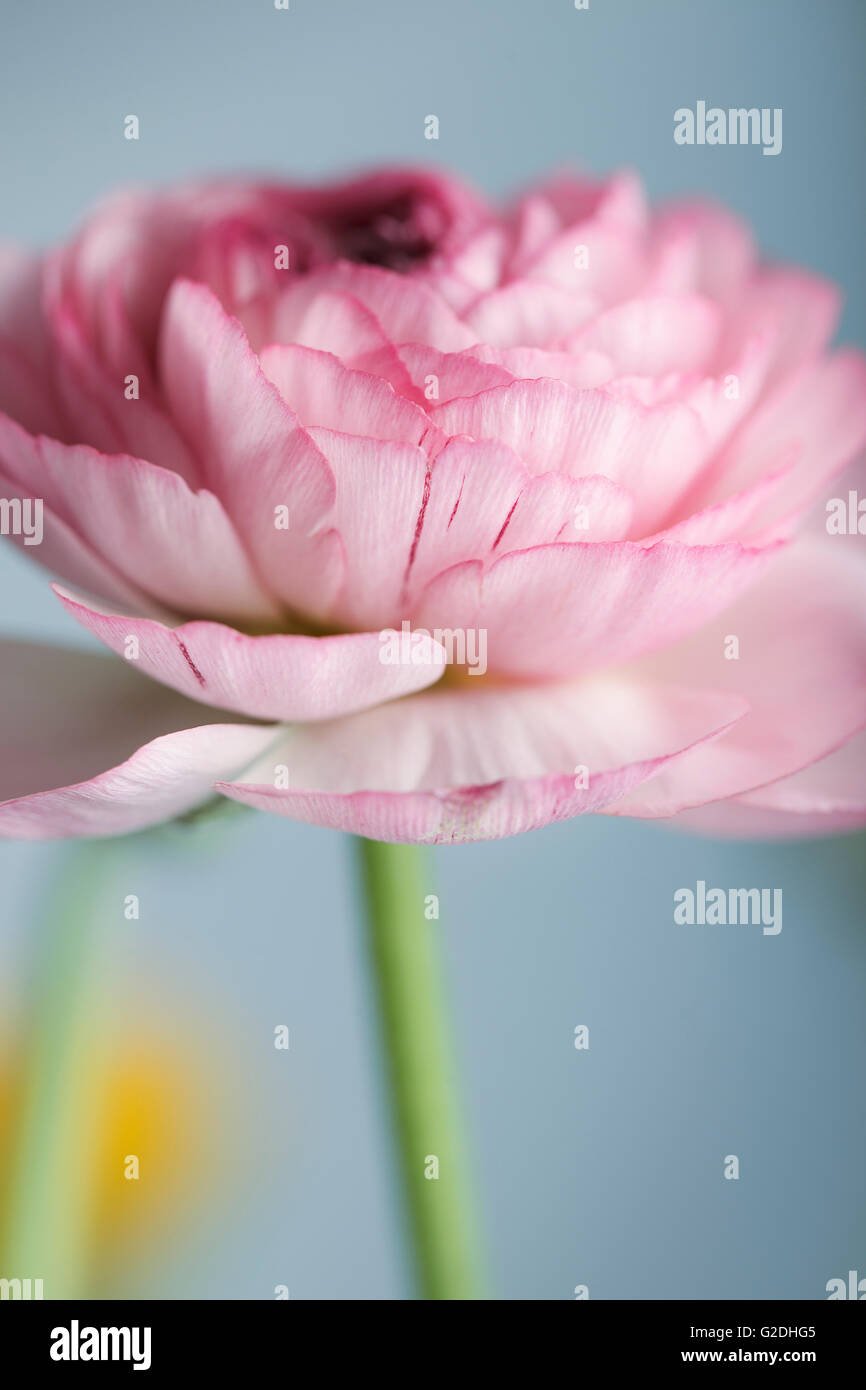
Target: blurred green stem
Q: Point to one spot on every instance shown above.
(46, 1202)
(403, 951)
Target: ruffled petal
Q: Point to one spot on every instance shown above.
(280, 677)
(558, 610)
(454, 766)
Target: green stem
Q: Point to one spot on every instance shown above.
(402, 948)
(46, 1216)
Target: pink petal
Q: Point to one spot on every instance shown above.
(736, 519)
(606, 221)
(536, 224)
(583, 370)
(484, 504)
(654, 335)
(797, 311)
(95, 407)
(827, 798)
(332, 321)
(65, 553)
(652, 452)
(242, 429)
(441, 376)
(723, 400)
(322, 391)
(26, 389)
(22, 322)
(53, 781)
(176, 545)
(702, 247)
(558, 610)
(274, 677)
(406, 309)
(479, 262)
(453, 766)
(817, 421)
(618, 200)
(381, 491)
(529, 313)
(801, 667)
(27, 395)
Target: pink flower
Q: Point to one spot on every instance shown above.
(431, 522)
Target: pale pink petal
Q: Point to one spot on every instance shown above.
(840, 510)
(97, 411)
(600, 245)
(162, 760)
(333, 321)
(817, 422)
(407, 310)
(322, 391)
(828, 798)
(702, 247)
(652, 452)
(558, 610)
(583, 370)
(654, 335)
(452, 766)
(175, 545)
(272, 677)
(619, 200)
(255, 455)
(797, 311)
(381, 492)
(535, 225)
(442, 376)
(65, 553)
(483, 504)
(592, 258)
(723, 400)
(800, 662)
(529, 313)
(480, 261)
(736, 519)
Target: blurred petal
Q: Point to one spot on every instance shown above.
(801, 665)
(65, 553)
(828, 798)
(162, 759)
(816, 422)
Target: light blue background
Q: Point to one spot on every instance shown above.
(602, 1167)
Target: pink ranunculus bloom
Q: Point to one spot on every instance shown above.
(431, 521)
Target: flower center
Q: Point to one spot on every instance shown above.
(398, 235)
